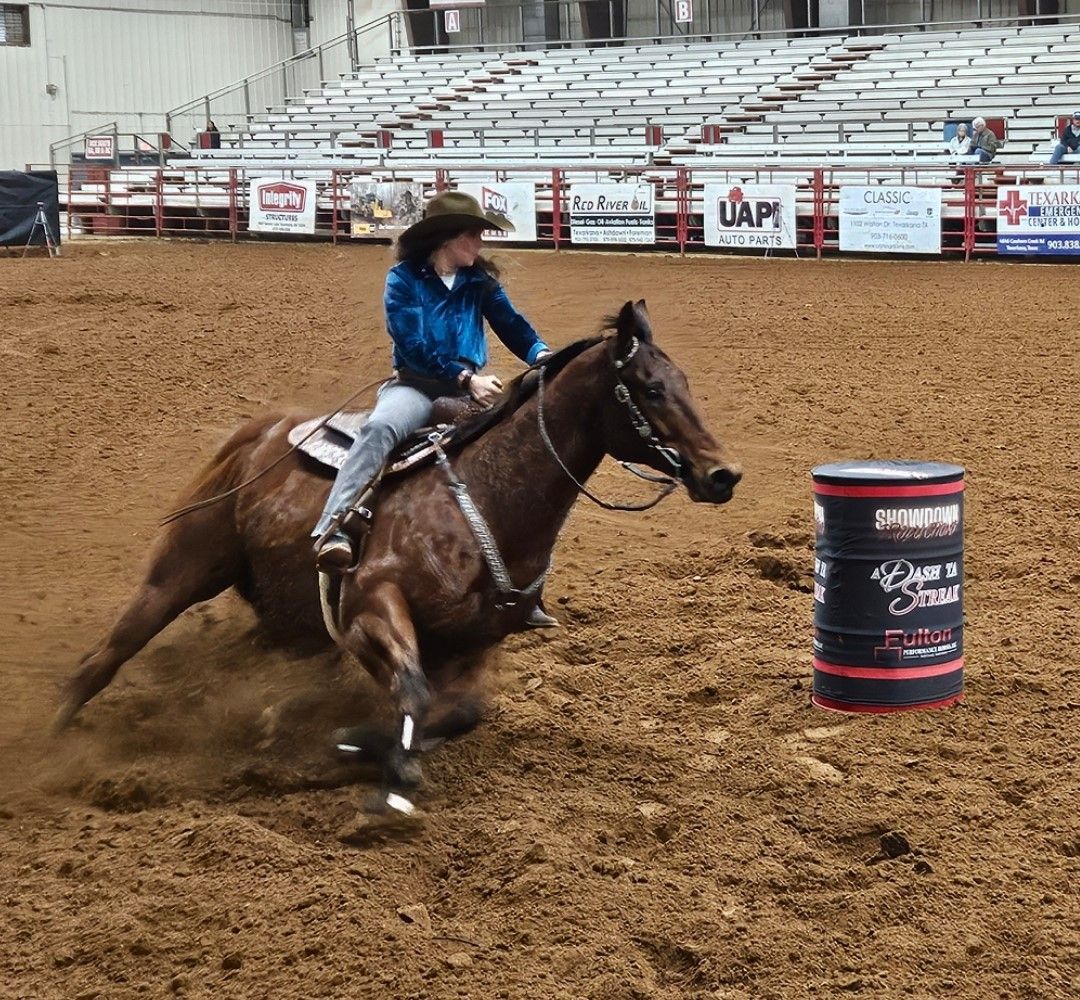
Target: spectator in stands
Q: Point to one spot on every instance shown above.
(960, 144)
(436, 300)
(1068, 140)
(984, 143)
(215, 136)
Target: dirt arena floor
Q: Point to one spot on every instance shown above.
(653, 809)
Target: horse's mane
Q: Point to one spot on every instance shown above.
(521, 389)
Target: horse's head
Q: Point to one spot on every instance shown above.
(652, 420)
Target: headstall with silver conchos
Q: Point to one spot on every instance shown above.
(641, 425)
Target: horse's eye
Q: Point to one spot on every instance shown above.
(653, 392)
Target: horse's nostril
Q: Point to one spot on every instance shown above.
(723, 477)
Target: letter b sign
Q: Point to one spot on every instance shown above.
(684, 11)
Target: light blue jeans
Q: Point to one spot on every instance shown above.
(1059, 151)
(399, 410)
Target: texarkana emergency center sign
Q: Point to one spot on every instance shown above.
(1039, 219)
(281, 206)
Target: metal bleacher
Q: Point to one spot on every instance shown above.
(803, 100)
(803, 103)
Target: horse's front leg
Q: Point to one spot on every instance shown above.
(383, 639)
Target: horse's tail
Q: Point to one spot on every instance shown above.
(220, 477)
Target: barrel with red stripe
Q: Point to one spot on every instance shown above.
(888, 585)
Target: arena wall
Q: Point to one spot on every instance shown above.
(502, 22)
(90, 62)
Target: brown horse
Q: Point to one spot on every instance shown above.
(434, 589)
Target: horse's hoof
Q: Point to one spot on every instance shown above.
(539, 618)
(383, 814)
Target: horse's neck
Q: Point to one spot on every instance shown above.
(515, 478)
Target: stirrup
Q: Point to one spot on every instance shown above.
(335, 553)
(356, 522)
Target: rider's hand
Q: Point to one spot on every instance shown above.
(485, 389)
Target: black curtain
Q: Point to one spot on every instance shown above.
(20, 193)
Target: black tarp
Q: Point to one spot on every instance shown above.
(20, 193)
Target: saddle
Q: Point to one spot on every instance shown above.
(455, 421)
(329, 445)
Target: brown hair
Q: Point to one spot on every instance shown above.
(417, 249)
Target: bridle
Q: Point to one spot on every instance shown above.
(641, 425)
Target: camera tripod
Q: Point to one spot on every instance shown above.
(42, 220)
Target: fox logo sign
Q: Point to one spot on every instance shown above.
(494, 201)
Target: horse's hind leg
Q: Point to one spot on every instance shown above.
(193, 560)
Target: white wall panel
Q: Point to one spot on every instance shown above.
(127, 61)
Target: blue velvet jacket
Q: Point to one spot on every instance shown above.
(439, 331)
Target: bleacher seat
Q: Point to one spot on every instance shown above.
(874, 99)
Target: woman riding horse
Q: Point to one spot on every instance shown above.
(437, 298)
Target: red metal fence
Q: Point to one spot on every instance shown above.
(214, 202)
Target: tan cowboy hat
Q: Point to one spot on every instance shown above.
(455, 210)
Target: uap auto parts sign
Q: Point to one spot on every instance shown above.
(1042, 220)
(612, 213)
(750, 215)
(890, 219)
(516, 201)
(281, 206)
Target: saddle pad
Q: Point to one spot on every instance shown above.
(330, 444)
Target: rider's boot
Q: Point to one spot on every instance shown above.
(335, 553)
(338, 550)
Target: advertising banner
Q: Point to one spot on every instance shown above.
(750, 215)
(100, 147)
(281, 206)
(1039, 220)
(612, 213)
(20, 193)
(517, 201)
(382, 209)
(887, 219)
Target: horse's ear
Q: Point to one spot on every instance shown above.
(633, 321)
(643, 321)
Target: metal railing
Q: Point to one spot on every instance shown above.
(128, 148)
(65, 144)
(233, 105)
(202, 202)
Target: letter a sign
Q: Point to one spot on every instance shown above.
(452, 20)
(684, 11)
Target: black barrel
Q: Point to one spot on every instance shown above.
(888, 585)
